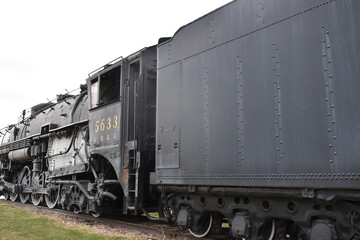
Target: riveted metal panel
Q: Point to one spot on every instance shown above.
(167, 140)
(268, 95)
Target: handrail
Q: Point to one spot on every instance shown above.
(105, 66)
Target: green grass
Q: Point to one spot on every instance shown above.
(17, 224)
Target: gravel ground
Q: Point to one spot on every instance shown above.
(94, 227)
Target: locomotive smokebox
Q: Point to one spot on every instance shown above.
(20, 155)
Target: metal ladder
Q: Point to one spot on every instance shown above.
(133, 177)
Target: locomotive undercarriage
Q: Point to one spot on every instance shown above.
(265, 214)
(56, 169)
(81, 193)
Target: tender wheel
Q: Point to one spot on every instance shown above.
(36, 199)
(203, 227)
(24, 181)
(52, 199)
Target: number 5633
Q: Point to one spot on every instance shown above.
(106, 123)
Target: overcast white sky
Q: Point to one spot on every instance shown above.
(47, 46)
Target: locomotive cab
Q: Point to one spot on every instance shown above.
(122, 124)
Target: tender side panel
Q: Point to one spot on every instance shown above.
(262, 95)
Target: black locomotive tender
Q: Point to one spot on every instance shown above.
(249, 115)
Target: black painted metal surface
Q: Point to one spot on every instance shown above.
(262, 93)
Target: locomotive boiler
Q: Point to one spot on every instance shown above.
(246, 121)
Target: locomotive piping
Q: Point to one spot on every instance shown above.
(81, 187)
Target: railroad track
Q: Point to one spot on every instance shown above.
(131, 223)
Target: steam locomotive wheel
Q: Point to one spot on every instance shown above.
(96, 214)
(6, 196)
(53, 197)
(97, 211)
(37, 182)
(77, 199)
(203, 227)
(36, 199)
(14, 196)
(25, 180)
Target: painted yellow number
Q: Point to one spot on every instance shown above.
(108, 127)
(115, 124)
(106, 123)
(102, 125)
(97, 126)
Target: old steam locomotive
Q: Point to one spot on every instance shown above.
(249, 115)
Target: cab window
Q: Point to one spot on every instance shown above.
(106, 88)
